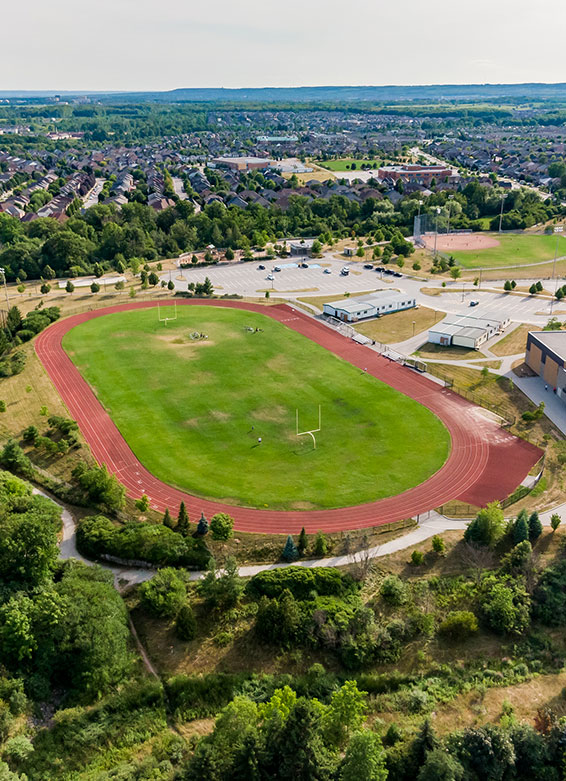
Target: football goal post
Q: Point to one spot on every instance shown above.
(165, 319)
(311, 431)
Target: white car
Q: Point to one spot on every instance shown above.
(327, 271)
(270, 277)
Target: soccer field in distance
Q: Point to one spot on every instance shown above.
(192, 410)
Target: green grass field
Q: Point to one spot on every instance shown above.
(345, 164)
(513, 249)
(187, 410)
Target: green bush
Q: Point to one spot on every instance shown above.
(393, 590)
(186, 625)
(153, 543)
(549, 597)
(459, 625)
(165, 594)
(301, 582)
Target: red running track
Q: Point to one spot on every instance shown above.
(485, 461)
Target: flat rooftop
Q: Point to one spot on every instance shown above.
(553, 340)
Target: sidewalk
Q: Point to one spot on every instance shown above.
(533, 387)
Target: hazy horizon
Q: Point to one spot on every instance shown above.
(126, 46)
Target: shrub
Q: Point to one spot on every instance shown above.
(221, 526)
(438, 545)
(487, 528)
(417, 558)
(393, 590)
(165, 594)
(459, 624)
(154, 543)
(186, 625)
(301, 582)
(505, 605)
(550, 596)
(320, 545)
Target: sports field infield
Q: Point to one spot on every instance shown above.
(513, 249)
(192, 410)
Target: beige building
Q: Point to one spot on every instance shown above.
(546, 355)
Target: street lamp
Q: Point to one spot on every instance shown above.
(414, 323)
(3, 272)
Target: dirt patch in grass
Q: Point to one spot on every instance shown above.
(221, 417)
(274, 414)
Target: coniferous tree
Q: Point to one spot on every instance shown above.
(535, 527)
(168, 520)
(302, 544)
(290, 551)
(183, 520)
(202, 527)
(520, 530)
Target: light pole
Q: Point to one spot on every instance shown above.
(414, 323)
(449, 209)
(501, 212)
(3, 272)
(436, 232)
(557, 230)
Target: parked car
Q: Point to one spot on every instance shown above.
(327, 271)
(303, 265)
(261, 267)
(277, 268)
(474, 303)
(397, 274)
(368, 265)
(270, 277)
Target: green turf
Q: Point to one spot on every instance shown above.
(187, 410)
(514, 249)
(345, 164)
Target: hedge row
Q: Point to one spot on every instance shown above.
(134, 540)
(303, 583)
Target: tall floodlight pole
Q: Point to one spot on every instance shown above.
(501, 212)
(557, 230)
(436, 231)
(3, 272)
(449, 209)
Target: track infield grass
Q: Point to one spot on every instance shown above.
(513, 249)
(192, 411)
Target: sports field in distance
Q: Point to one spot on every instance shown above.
(192, 410)
(507, 249)
(345, 164)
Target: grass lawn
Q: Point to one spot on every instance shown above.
(192, 411)
(345, 164)
(399, 326)
(514, 342)
(436, 351)
(513, 249)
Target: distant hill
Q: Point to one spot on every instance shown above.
(369, 94)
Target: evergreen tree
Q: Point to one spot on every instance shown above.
(290, 551)
(520, 530)
(535, 527)
(202, 527)
(320, 545)
(168, 520)
(303, 541)
(183, 521)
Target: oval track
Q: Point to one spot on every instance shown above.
(485, 461)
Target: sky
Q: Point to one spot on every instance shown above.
(141, 45)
